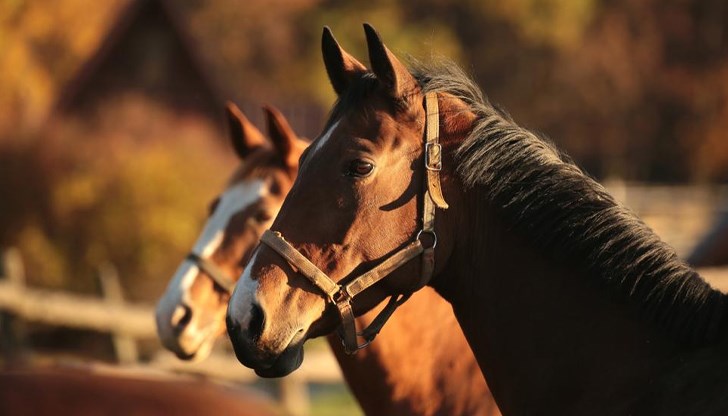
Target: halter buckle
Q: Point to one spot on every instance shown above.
(358, 347)
(433, 156)
(341, 296)
(432, 233)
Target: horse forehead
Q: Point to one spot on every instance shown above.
(383, 128)
(235, 199)
(324, 138)
(241, 195)
(374, 129)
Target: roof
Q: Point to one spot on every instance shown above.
(109, 55)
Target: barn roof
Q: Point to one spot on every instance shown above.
(112, 55)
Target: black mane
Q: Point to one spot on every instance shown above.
(570, 216)
(566, 214)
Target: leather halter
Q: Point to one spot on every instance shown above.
(341, 295)
(218, 276)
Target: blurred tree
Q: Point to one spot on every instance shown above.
(133, 194)
(631, 88)
(42, 43)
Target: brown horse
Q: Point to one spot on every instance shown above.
(712, 250)
(570, 303)
(389, 378)
(190, 315)
(79, 392)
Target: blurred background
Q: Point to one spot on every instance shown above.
(112, 140)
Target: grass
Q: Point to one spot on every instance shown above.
(333, 400)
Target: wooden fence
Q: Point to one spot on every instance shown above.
(130, 322)
(127, 323)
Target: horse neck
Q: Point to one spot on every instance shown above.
(416, 366)
(544, 335)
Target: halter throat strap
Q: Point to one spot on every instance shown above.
(342, 295)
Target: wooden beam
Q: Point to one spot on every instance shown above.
(77, 311)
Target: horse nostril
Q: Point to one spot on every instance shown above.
(181, 317)
(257, 319)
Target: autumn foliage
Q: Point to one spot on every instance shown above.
(636, 89)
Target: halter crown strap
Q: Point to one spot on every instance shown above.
(433, 152)
(432, 193)
(342, 295)
(211, 269)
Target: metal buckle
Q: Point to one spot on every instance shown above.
(437, 165)
(432, 233)
(341, 296)
(358, 346)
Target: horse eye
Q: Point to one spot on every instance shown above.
(360, 168)
(263, 216)
(213, 206)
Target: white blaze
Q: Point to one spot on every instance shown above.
(234, 200)
(241, 301)
(321, 142)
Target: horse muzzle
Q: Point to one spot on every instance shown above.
(269, 358)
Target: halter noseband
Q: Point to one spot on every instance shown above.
(342, 295)
(216, 274)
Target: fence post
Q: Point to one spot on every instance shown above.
(294, 396)
(124, 345)
(12, 331)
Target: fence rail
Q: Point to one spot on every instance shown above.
(127, 322)
(75, 311)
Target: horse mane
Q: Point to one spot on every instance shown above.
(542, 194)
(566, 214)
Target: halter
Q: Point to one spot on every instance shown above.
(216, 274)
(341, 295)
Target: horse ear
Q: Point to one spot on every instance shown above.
(341, 67)
(282, 135)
(391, 73)
(244, 136)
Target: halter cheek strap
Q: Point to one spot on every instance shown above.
(342, 295)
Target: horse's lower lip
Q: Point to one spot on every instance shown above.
(283, 365)
(268, 365)
(185, 355)
(199, 347)
(175, 346)
(271, 373)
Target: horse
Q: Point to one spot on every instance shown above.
(389, 378)
(712, 249)
(190, 314)
(570, 303)
(74, 391)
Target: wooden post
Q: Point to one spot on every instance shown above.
(293, 393)
(124, 345)
(12, 331)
